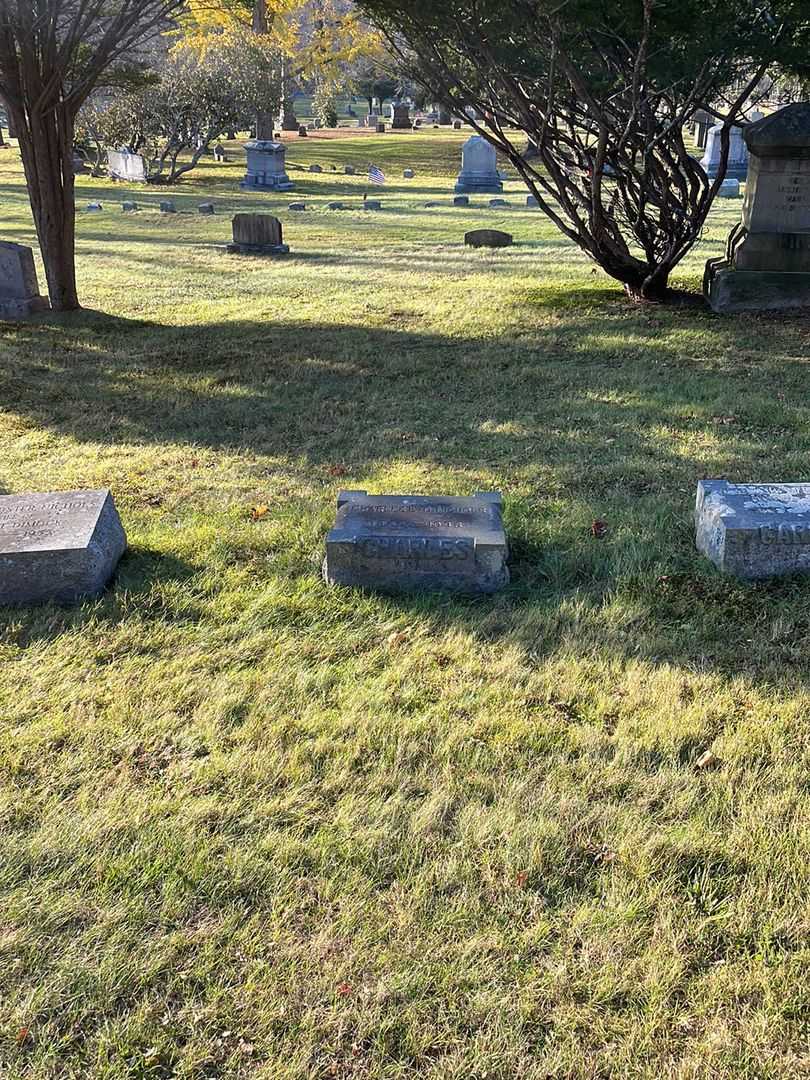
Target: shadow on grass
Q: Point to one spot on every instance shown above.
(571, 421)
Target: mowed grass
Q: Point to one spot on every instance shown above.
(254, 827)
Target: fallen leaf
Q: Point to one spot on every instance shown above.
(708, 760)
(521, 878)
(22, 1035)
(397, 638)
(344, 989)
(606, 856)
(337, 470)
(599, 529)
(258, 512)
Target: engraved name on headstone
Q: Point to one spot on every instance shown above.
(418, 542)
(754, 530)
(59, 545)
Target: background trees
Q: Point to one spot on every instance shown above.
(604, 92)
(52, 55)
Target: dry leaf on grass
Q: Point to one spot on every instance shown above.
(258, 512)
(708, 760)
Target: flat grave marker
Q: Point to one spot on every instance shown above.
(418, 542)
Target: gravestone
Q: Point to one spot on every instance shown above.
(754, 530)
(121, 165)
(479, 170)
(456, 125)
(128, 206)
(59, 546)
(19, 290)
(461, 200)
(315, 169)
(302, 132)
(729, 189)
(372, 204)
(701, 122)
(334, 206)
(79, 165)
(381, 127)
(531, 201)
(297, 206)
(497, 203)
(167, 207)
(265, 166)
(349, 170)
(737, 153)
(257, 234)
(400, 117)
(408, 174)
(372, 119)
(206, 208)
(767, 261)
(417, 542)
(492, 238)
(444, 116)
(94, 207)
(219, 153)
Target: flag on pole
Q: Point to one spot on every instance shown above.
(375, 175)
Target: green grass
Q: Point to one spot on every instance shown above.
(247, 832)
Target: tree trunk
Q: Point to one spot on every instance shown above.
(46, 147)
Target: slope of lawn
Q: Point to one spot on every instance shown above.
(253, 827)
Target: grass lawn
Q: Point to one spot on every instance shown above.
(253, 827)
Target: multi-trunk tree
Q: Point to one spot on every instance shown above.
(52, 55)
(603, 92)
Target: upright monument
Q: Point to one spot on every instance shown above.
(265, 166)
(19, 290)
(737, 166)
(479, 168)
(767, 262)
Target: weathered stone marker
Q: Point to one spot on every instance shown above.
(461, 200)
(121, 165)
(754, 530)
(265, 166)
(19, 290)
(737, 165)
(60, 545)
(257, 234)
(767, 262)
(479, 168)
(493, 238)
(414, 542)
(206, 208)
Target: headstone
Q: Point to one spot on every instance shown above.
(417, 542)
(531, 201)
(497, 203)
(767, 262)
(334, 206)
(297, 206)
(729, 189)
(444, 116)
(315, 169)
(79, 165)
(167, 207)
(372, 204)
(479, 171)
(400, 117)
(302, 131)
(737, 153)
(219, 153)
(122, 165)
(19, 290)
(381, 127)
(461, 200)
(457, 125)
(372, 119)
(94, 207)
(265, 166)
(128, 206)
(257, 234)
(701, 122)
(408, 174)
(754, 530)
(349, 170)
(492, 238)
(206, 208)
(58, 546)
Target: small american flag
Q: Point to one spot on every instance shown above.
(375, 175)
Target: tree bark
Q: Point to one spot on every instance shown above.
(46, 148)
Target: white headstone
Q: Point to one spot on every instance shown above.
(479, 168)
(125, 166)
(737, 167)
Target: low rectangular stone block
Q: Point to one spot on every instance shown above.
(418, 542)
(757, 290)
(754, 530)
(59, 545)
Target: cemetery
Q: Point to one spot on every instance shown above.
(404, 634)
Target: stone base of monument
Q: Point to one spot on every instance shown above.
(412, 543)
(729, 290)
(479, 185)
(58, 546)
(257, 249)
(20, 307)
(754, 530)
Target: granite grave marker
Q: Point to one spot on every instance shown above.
(257, 234)
(492, 238)
(418, 542)
(479, 170)
(19, 289)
